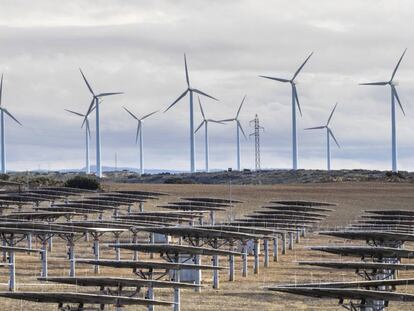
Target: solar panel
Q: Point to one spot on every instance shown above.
(197, 232)
(297, 208)
(345, 293)
(85, 205)
(291, 213)
(37, 215)
(242, 229)
(203, 204)
(358, 265)
(81, 298)
(191, 208)
(127, 200)
(370, 235)
(289, 217)
(278, 220)
(212, 200)
(19, 249)
(264, 224)
(366, 251)
(302, 203)
(69, 209)
(391, 212)
(139, 192)
(118, 282)
(352, 284)
(388, 217)
(133, 264)
(175, 249)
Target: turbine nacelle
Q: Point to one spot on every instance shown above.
(293, 82)
(95, 97)
(236, 118)
(140, 121)
(326, 126)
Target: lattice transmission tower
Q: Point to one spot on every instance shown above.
(257, 128)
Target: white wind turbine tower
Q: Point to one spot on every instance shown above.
(238, 129)
(394, 96)
(295, 101)
(205, 122)
(140, 136)
(190, 90)
(87, 138)
(95, 105)
(329, 134)
(3, 130)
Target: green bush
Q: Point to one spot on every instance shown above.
(177, 180)
(83, 182)
(4, 177)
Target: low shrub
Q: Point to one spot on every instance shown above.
(177, 180)
(83, 182)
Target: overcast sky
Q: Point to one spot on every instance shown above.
(137, 47)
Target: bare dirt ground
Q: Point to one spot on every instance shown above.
(244, 293)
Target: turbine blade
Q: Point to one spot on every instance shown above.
(87, 83)
(130, 113)
(216, 121)
(186, 71)
(148, 115)
(201, 107)
(1, 87)
(398, 65)
(177, 100)
(241, 128)
(93, 108)
(204, 94)
(109, 94)
(227, 120)
(74, 112)
(11, 116)
(138, 130)
(90, 109)
(240, 107)
(199, 127)
(316, 128)
(374, 83)
(394, 91)
(330, 116)
(297, 99)
(276, 79)
(333, 136)
(301, 66)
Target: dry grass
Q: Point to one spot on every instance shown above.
(244, 293)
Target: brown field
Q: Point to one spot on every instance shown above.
(244, 293)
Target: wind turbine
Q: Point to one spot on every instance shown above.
(140, 136)
(394, 96)
(238, 129)
(190, 90)
(295, 101)
(205, 123)
(3, 130)
(95, 105)
(329, 134)
(87, 138)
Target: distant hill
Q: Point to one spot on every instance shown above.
(246, 177)
(266, 177)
